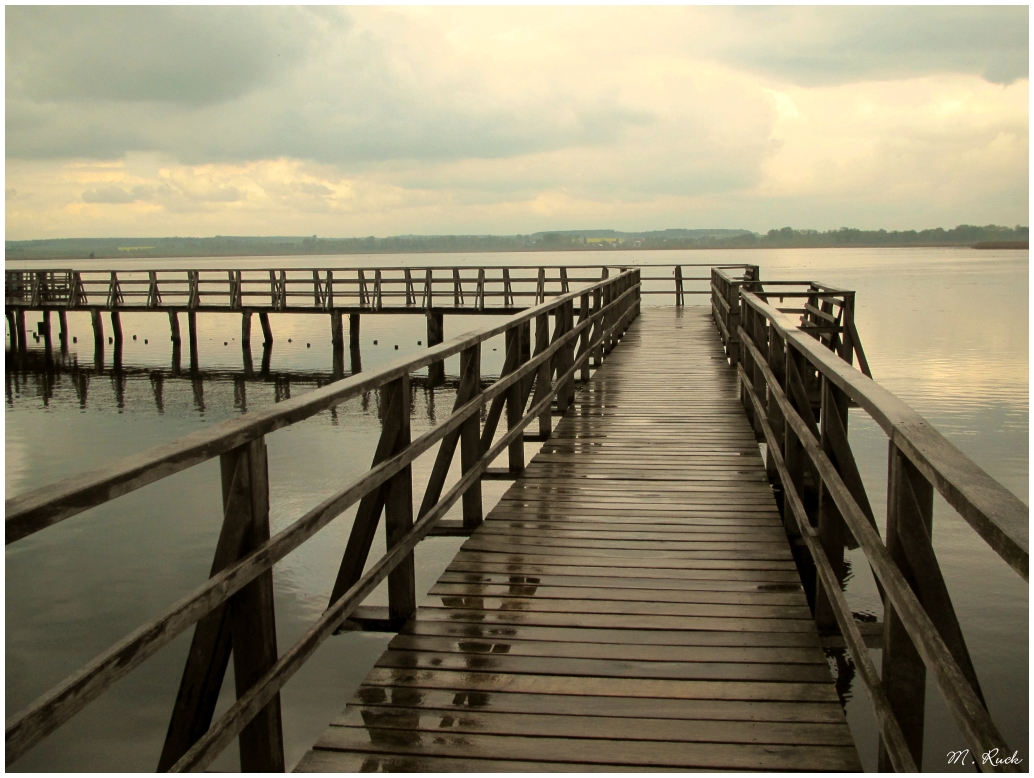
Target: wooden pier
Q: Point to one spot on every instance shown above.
(649, 594)
(631, 602)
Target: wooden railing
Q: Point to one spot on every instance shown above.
(234, 609)
(314, 290)
(825, 311)
(797, 385)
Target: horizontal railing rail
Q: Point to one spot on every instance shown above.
(418, 288)
(796, 391)
(233, 609)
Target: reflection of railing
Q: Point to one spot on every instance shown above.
(796, 394)
(414, 289)
(235, 607)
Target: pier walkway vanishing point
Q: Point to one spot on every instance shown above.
(630, 602)
(650, 593)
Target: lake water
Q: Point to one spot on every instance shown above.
(944, 329)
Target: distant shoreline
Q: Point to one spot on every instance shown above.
(17, 255)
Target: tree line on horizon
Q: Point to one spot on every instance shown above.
(569, 240)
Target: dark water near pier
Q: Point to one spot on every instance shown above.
(945, 329)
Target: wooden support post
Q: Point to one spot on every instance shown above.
(398, 505)
(354, 352)
(48, 344)
(525, 342)
(192, 337)
(174, 327)
(116, 328)
(909, 501)
(246, 622)
(267, 331)
(353, 330)
(679, 298)
(337, 335)
(515, 400)
(470, 440)
(12, 329)
(435, 335)
(246, 329)
(98, 331)
(62, 318)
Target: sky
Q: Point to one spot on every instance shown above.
(356, 121)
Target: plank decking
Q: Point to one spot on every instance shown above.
(630, 603)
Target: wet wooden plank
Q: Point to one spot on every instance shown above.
(631, 602)
(585, 750)
(597, 727)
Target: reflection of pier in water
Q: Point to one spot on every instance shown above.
(43, 372)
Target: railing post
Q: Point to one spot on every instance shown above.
(410, 294)
(246, 623)
(678, 286)
(252, 618)
(583, 339)
(507, 288)
(796, 462)
(747, 359)
(515, 399)
(362, 289)
(542, 380)
(831, 530)
(909, 501)
(398, 505)
(378, 293)
(777, 364)
(470, 439)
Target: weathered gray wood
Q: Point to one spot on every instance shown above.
(368, 515)
(470, 439)
(617, 642)
(895, 747)
(209, 652)
(909, 500)
(997, 515)
(30, 512)
(252, 621)
(267, 330)
(398, 508)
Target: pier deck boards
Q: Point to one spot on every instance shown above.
(630, 603)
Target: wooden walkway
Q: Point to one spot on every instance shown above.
(631, 602)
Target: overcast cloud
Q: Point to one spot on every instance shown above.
(356, 121)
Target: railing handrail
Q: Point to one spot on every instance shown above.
(997, 515)
(32, 511)
(374, 267)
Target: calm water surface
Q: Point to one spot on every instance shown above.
(945, 329)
